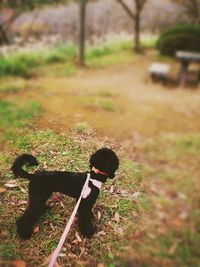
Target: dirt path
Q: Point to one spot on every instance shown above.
(118, 101)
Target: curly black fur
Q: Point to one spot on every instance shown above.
(42, 184)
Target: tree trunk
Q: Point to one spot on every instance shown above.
(138, 8)
(3, 36)
(82, 15)
(137, 47)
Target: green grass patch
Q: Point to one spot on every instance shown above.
(107, 105)
(65, 69)
(105, 93)
(149, 42)
(109, 53)
(185, 252)
(14, 115)
(7, 250)
(7, 86)
(82, 127)
(107, 48)
(175, 147)
(103, 103)
(133, 174)
(124, 207)
(110, 59)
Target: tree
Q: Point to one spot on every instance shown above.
(135, 16)
(192, 9)
(82, 17)
(10, 10)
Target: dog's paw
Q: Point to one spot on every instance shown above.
(23, 231)
(87, 231)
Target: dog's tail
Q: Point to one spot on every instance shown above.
(25, 159)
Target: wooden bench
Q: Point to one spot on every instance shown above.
(159, 71)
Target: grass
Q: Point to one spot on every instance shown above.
(64, 151)
(16, 115)
(149, 42)
(7, 86)
(175, 159)
(103, 102)
(82, 127)
(27, 64)
(53, 151)
(151, 214)
(23, 63)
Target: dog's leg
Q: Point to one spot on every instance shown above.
(85, 219)
(37, 206)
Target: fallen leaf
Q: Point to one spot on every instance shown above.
(78, 237)
(161, 230)
(52, 227)
(136, 194)
(2, 190)
(10, 185)
(111, 189)
(135, 214)
(19, 263)
(172, 249)
(56, 198)
(88, 262)
(15, 263)
(62, 204)
(36, 229)
(177, 223)
(137, 234)
(22, 202)
(181, 195)
(116, 217)
(151, 236)
(34, 153)
(47, 261)
(101, 233)
(99, 215)
(120, 231)
(62, 255)
(23, 190)
(45, 164)
(184, 215)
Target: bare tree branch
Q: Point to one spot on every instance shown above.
(192, 8)
(127, 9)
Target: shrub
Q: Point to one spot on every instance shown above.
(180, 37)
(19, 64)
(61, 53)
(22, 63)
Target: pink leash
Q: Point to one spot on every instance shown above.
(69, 224)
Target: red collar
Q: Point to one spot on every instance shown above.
(98, 171)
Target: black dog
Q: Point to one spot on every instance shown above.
(103, 164)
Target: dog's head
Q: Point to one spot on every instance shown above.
(106, 162)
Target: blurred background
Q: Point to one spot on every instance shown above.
(79, 75)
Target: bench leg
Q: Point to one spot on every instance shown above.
(183, 76)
